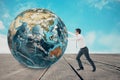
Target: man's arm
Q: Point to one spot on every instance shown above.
(71, 33)
(73, 36)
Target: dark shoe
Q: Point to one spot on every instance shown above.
(80, 69)
(94, 69)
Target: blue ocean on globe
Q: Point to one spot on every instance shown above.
(37, 38)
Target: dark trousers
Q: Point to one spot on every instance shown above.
(84, 51)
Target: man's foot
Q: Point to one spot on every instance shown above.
(80, 69)
(94, 69)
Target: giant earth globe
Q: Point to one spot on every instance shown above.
(37, 38)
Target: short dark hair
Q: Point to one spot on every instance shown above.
(78, 30)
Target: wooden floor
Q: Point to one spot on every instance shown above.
(108, 68)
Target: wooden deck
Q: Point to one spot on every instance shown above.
(108, 68)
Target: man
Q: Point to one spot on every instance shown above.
(80, 42)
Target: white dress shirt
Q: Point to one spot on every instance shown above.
(80, 41)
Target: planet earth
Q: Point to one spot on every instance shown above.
(37, 38)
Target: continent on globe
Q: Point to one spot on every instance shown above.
(56, 52)
(37, 38)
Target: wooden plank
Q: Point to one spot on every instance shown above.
(10, 69)
(104, 72)
(60, 71)
(113, 59)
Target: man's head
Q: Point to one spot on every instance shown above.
(77, 31)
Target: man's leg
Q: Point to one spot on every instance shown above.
(86, 53)
(79, 61)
